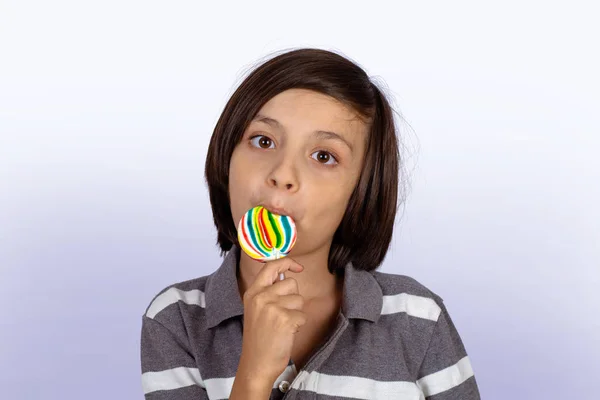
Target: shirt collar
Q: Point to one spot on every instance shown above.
(362, 295)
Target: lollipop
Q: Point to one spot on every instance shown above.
(265, 236)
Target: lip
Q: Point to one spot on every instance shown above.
(278, 210)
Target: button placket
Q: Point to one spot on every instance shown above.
(323, 351)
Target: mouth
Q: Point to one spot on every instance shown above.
(278, 210)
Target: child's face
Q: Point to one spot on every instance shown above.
(284, 164)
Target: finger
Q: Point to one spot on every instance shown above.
(270, 272)
(298, 319)
(291, 302)
(282, 288)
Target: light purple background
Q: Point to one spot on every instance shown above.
(106, 111)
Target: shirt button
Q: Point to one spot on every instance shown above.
(284, 386)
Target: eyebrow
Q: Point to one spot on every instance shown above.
(319, 134)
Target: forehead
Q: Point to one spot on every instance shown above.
(306, 110)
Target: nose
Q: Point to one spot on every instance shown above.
(284, 176)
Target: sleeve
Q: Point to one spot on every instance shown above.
(169, 371)
(446, 372)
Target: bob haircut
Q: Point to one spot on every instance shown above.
(364, 234)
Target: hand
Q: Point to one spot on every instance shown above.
(272, 316)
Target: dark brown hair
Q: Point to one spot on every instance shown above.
(365, 231)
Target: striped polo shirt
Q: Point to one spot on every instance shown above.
(394, 339)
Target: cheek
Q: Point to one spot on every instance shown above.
(240, 168)
(330, 203)
(241, 179)
(244, 162)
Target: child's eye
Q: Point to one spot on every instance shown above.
(324, 157)
(262, 141)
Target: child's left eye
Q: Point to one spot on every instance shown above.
(262, 141)
(324, 157)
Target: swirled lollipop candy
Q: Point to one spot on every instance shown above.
(265, 236)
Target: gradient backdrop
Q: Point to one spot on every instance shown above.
(106, 110)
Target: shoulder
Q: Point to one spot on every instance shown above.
(189, 292)
(402, 293)
(395, 283)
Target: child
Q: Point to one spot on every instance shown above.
(307, 134)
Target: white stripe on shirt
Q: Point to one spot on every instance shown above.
(216, 388)
(171, 379)
(173, 295)
(416, 306)
(331, 385)
(446, 378)
(356, 387)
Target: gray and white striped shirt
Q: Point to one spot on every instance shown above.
(394, 339)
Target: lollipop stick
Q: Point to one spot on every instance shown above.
(281, 275)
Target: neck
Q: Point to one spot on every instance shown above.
(315, 282)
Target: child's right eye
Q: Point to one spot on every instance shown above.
(262, 141)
